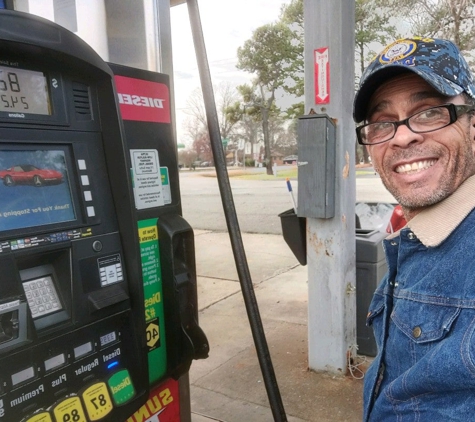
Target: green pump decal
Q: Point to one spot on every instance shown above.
(152, 285)
(166, 189)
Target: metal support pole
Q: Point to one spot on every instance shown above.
(331, 242)
(240, 259)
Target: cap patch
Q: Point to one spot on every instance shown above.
(398, 51)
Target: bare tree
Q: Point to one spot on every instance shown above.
(187, 157)
(450, 19)
(196, 126)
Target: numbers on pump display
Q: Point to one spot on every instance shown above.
(10, 101)
(11, 84)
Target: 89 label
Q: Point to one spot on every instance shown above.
(70, 410)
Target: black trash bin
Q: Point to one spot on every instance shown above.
(370, 269)
(294, 231)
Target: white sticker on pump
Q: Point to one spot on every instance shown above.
(9, 305)
(22, 376)
(83, 349)
(147, 181)
(167, 192)
(82, 165)
(55, 362)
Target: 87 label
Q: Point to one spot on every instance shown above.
(97, 401)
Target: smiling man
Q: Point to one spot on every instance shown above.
(415, 109)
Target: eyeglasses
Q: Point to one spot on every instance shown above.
(424, 121)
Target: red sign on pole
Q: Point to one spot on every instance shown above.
(322, 76)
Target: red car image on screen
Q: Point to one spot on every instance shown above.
(26, 174)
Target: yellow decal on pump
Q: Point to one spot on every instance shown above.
(70, 409)
(148, 234)
(153, 334)
(97, 401)
(40, 417)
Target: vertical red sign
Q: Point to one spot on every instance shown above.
(322, 76)
(143, 101)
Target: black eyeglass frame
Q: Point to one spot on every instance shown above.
(455, 111)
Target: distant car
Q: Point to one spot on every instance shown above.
(290, 159)
(205, 164)
(26, 174)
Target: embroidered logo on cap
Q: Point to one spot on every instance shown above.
(397, 51)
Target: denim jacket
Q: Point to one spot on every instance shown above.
(423, 317)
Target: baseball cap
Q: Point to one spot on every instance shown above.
(439, 62)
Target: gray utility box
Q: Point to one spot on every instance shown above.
(370, 269)
(316, 163)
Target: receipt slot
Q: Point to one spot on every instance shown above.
(174, 338)
(71, 299)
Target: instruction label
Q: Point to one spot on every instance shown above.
(153, 296)
(147, 180)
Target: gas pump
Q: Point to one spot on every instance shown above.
(72, 344)
(173, 335)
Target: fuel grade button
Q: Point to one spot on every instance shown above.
(41, 416)
(121, 387)
(69, 409)
(97, 401)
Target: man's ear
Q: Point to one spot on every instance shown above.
(472, 131)
(368, 149)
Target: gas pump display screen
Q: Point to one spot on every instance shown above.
(34, 189)
(23, 91)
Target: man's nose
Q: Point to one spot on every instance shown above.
(404, 136)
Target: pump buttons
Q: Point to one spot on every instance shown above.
(97, 246)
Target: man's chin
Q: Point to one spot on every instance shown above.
(419, 200)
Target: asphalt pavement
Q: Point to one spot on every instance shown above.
(258, 202)
(228, 386)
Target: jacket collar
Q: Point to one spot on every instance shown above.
(433, 225)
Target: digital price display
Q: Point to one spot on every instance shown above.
(23, 91)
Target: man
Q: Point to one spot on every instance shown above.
(416, 114)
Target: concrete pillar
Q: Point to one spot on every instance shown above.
(331, 242)
(86, 18)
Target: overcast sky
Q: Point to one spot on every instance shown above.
(226, 26)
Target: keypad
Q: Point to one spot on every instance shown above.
(42, 296)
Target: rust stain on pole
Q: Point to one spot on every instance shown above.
(346, 169)
(320, 245)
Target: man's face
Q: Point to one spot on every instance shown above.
(420, 169)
